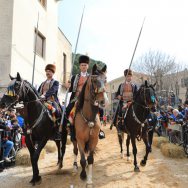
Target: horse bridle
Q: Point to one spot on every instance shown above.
(92, 92)
(143, 106)
(17, 95)
(145, 101)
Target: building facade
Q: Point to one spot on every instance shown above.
(29, 26)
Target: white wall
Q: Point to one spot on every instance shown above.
(24, 22)
(64, 47)
(6, 9)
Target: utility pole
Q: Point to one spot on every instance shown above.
(36, 34)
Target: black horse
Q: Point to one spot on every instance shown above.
(134, 120)
(38, 124)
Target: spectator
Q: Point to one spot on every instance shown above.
(104, 119)
(178, 116)
(6, 144)
(20, 120)
(186, 110)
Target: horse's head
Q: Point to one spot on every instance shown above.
(98, 82)
(16, 91)
(146, 95)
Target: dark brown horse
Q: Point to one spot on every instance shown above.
(87, 122)
(134, 121)
(39, 125)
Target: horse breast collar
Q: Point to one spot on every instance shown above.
(91, 124)
(136, 118)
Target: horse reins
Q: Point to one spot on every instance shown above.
(91, 99)
(145, 108)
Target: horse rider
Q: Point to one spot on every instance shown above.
(48, 91)
(125, 94)
(75, 86)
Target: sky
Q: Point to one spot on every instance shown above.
(110, 29)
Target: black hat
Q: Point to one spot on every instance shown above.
(83, 59)
(128, 72)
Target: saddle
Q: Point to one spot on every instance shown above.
(72, 115)
(54, 112)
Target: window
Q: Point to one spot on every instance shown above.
(64, 67)
(40, 44)
(42, 2)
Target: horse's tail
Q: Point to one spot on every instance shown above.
(86, 149)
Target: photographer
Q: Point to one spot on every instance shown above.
(175, 120)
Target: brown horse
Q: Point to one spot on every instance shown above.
(87, 122)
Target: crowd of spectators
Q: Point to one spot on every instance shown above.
(11, 122)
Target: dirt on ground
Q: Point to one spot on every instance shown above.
(109, 171)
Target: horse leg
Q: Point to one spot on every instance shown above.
(58, 144)
(127, 144)
(120, 138)
(63, 145)
(31, 149)
(133, 141)
(36, 178)
(90, 160)
(82, 146)
(148, 147)
(75, 151)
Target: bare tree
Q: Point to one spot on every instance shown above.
(156, 64)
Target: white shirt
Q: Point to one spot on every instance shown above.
(84, 74)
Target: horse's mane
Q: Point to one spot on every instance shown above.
(81, 97)
(34, 90)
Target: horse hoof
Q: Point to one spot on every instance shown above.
(143, 163)
(75, 170)
(60, 166)
(38, 180)
(83, 176)
(32, 182)
(136, 169)
(128, 158)
(89, 185)
(89, 182)
(122, 155)
(75, 167)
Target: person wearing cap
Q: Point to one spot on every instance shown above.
(75, 86)
(48, 91)
(125, 94)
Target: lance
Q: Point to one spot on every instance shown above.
(128, 69)
(73, 62)
(36, 35)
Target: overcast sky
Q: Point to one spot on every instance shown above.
(110, 29)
